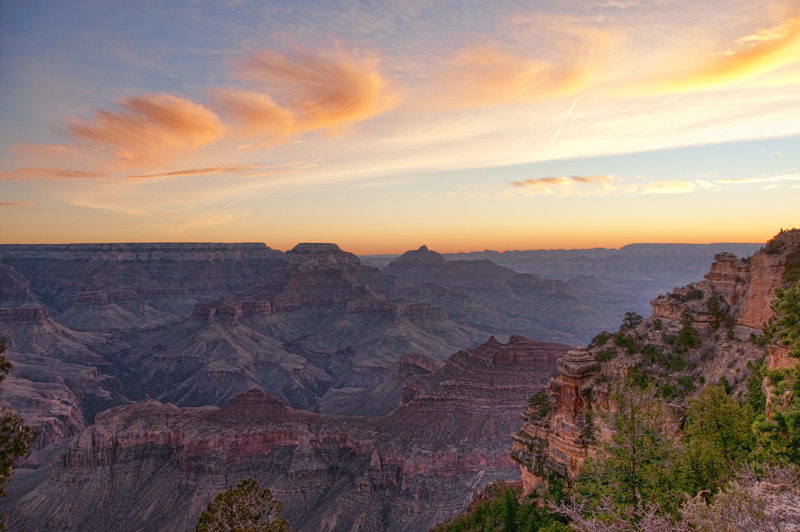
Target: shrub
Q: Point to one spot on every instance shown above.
(688, 337)
(604, 355)
(600, 339)
(540, 404)
(694, 293)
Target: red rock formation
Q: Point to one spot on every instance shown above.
(407, 471)
(766, 274)
(728, 308)
(558, 442)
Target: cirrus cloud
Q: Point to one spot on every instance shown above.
(764, 51)
(48, 173)
(486, 74)
(566, 186)
(316, 91)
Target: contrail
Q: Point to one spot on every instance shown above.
(564, 122)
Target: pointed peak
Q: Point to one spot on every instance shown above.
(421, 256)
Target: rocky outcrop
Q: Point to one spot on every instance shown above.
(402, 472)
(702, 332)
(554, 438)
(766, 274)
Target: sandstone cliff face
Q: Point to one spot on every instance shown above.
(154, 466)
(726, 310)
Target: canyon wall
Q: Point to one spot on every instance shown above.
(155, 466)
(727, 310)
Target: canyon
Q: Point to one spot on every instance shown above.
(355, 393)
(154, 466)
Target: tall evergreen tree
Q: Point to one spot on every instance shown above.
(635, 468)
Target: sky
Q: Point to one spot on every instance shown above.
(381, 126)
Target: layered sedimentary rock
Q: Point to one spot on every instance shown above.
(60, 377)
(154, 466)
(615, 281)
(160, 274)
(498, 297)
(555, 439)
(700, 333)
(198, 323)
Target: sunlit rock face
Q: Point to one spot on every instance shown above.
(728, 309)
(408, 470)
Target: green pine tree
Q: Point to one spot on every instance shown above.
(243, 508)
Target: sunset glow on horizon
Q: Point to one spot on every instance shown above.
(460, 125)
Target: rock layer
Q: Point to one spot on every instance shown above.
(154, 466)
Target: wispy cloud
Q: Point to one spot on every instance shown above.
(14, 203)
(750, 56)
(217, 170)
(229, 170)
(152, 128)
(489, 74)
(669, 187)
(37, 149)
(761, 179)
(564, 186)
(315, 91)
(48, 173)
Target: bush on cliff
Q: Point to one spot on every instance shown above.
(503, 511)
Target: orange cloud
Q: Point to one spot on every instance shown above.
(255, 114)
(317, 93)
(153, 127)
(486, 75)
(490, 77)
(596, 184)
(762, 52)
(37, 149)
(14, 203)
(230, 170)
(48, 173)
